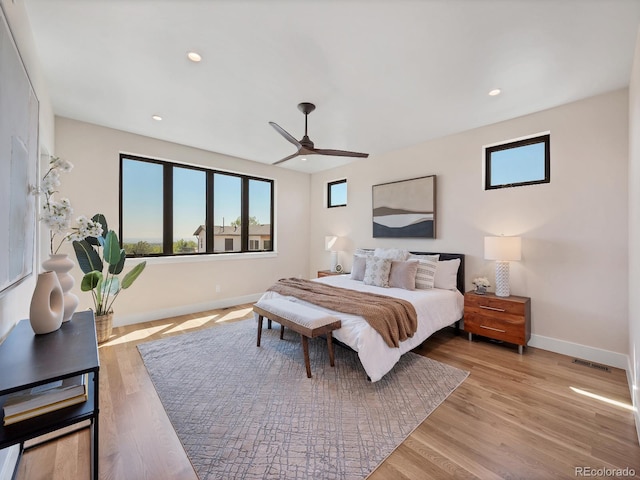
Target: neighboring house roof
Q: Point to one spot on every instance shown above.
(229, 231)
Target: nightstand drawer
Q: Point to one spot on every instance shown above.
(493, 305)
(509, 329)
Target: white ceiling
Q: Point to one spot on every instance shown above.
(383, 74)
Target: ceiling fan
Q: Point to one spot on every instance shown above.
(305, 145)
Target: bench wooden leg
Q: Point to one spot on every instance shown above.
(330, 347)
(268, 323)
(281, 332)
(259, 328)
(305, 350)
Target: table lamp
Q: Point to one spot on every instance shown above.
(331, 245)
(503, 250)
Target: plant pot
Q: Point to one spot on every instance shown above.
(61, 264)
(104, 327)
(46, 309)
(481, 290)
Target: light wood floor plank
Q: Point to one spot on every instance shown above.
(514, 417)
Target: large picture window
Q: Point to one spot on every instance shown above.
(172, 209)
(522, 162)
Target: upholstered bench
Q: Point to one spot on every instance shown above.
(308, 322)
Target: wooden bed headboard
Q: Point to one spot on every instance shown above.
(448, 256)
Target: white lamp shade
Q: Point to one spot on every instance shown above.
(330, 242)
(502, 248)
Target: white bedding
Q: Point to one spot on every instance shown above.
(436, 308)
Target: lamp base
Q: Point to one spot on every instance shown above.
(334, 260)
(502, 279)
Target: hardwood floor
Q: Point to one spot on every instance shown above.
(533, 416)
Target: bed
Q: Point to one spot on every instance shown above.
(436, 308)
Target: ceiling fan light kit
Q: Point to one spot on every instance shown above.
(305, 146)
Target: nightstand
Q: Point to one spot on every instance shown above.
(326, 273)
(501, 318)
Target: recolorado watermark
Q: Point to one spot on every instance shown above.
(604, 472)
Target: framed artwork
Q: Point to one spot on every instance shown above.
(18, 163)
(405, 209)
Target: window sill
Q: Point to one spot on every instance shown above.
(214, 257)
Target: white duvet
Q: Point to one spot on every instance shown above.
(436, 308)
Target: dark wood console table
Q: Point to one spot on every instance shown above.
(28, 360)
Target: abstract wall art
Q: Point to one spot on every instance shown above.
(405, 209)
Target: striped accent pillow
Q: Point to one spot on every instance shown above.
(426, 274)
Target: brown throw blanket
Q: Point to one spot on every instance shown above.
(394, 319)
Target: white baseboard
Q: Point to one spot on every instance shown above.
(635, 398)
(597, 355)
(120, 320)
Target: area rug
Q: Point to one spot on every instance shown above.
(247, 412)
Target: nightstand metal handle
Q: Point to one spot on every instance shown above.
(493, 308)
(494, 329)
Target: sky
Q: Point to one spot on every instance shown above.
(521, 164)
(142, 195)
(339, 194)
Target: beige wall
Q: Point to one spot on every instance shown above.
(174, 286)
(14, 304)
(634, 234)
(574, 229)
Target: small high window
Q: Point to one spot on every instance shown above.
(513, 164)
(337, 193)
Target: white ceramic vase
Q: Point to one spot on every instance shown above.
(47, 307)
(61, 264)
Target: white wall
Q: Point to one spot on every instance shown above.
(574, 229)
(634, 234)
(180, 285)
(14, 303)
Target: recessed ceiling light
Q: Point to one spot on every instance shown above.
(157, 118)
(494, 92)
(194, 57)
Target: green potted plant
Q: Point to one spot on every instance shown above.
(94, 254)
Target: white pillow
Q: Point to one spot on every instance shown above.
(447, 274)
(414, 256)
(377, 271)
(363, 252)
(393, 253)
(425, 276)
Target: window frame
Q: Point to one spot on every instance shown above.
(544, 138)
(332, 184)
(167, 209)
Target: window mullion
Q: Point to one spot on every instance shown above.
(167, 229)
(244, 224)
(209, 215)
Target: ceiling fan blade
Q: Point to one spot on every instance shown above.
(285, 134)
(340, 153)
(287, 158)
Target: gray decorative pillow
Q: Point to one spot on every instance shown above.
(357, 269)
(377, 271)
(426, 274)
(403, 274)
